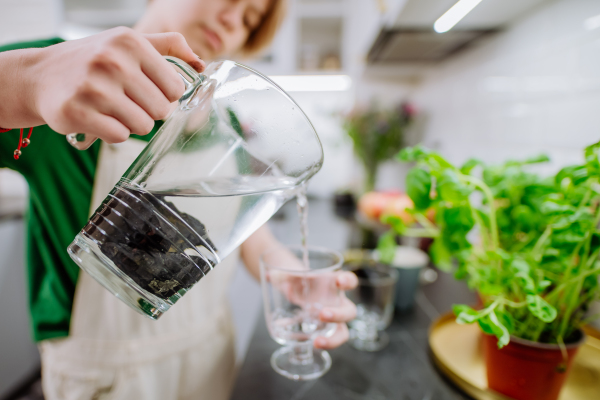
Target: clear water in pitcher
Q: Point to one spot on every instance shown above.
(167, 240)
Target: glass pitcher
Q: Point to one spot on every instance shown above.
(233, 152)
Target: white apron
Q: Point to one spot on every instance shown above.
(112, 352)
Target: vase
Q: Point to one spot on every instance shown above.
(370, 176)
(526, 370)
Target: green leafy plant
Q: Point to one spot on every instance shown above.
(528, 245)
(377, 135)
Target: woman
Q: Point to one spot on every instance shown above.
(92, 345)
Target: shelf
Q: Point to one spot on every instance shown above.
(319, 44)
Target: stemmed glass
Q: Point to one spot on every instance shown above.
(294, 294)
(374, 299)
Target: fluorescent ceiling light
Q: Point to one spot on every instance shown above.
(313, 83)
(592, 23)
(454, 14)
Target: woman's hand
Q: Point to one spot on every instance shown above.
(344, 313)
(319, 294)
(109, 85)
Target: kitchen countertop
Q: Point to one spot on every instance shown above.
(403, 370)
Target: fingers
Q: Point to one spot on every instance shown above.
(346, 280)
(162, 72)
(110, 84)
(344, 313)
(88, 120)
(339, 337)
(174, 44)
(143, 92)
(132, 116)
(107, 98)
(109, 128)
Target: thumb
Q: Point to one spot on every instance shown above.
(174, 44)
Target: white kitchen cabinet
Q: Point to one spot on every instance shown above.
(19, 357)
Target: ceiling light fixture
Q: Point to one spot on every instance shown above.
(454, 14)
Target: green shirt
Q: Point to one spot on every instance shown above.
(60, 180)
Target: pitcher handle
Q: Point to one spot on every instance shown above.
(190, 78)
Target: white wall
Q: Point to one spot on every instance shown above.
(533, 88)
(325, 111)
(29, 19)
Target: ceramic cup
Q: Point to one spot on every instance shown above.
(409, 261)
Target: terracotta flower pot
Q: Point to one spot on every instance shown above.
(525, 370)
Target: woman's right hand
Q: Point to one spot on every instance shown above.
(109, 85)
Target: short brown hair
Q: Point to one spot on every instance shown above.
(263, 35)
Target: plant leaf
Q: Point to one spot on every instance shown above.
(386, 247)
(537, 159)
(490, 288)
(506, 319)
(575, 174)
(540, 308)
(591, 158)
(440, 255)
(544, 284)
(520, 266)
(458, 219)
(235, 122)
(523, 214)
(451, 189)
(552, 207)
(567, 237)
(499, 329)
(469, 165)
(418, 187)
(465, 314)
(395, 222)
(415, 153)
(491, 325)
(521, 270)
(526, 282)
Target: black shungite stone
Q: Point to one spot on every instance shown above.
(145, 236)
(199, 228)
(110, 249)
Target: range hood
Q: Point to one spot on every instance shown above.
(420, 45)
(408, 37)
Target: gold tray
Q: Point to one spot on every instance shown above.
(458, 353)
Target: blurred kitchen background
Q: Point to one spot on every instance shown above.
(514, 78)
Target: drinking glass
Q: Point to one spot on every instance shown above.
(294, 294)
(374, 299)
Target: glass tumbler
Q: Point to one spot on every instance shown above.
(233, 152)
(294, 294)
(374, 299)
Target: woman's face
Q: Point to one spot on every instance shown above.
(215, 28)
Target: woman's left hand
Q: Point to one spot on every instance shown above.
(344, 313)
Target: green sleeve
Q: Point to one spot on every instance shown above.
(38, 44)
(61, 181)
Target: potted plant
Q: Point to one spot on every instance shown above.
(528, 245)
(377, 135)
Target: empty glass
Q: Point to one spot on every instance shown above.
(374, 299)
(235, 150)
(294, 294)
